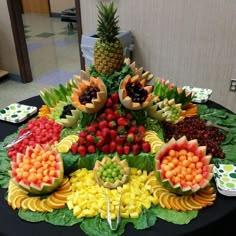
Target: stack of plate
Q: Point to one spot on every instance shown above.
(225, 177)
(201, 95)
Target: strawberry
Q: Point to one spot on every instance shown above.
(105, 148)
(115, 98)
(132, 129)
(74, 148)
(126, 150)
(102, 117)
(113, 134)
(98, 132)
(108, 111)
(120, 139)
(138, 138)
(103, 124)
(82, 150)
(82, 140)
(99, 140)
(106, 133)
(146, 147)
(90, 129)
(122, 121)
(82, 134)
(109, 102)
(112, 124)
(89, 139)
(136, 149)
(141, 129)
(91, 149)
(128, 116)
(111, 117)
(121, 130)
(130, 137)
(119, 149)
(112, 146)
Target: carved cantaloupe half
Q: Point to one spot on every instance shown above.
(137, 99)
(96, 102)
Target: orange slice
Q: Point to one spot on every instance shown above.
(55, 204)
(61, 195)
(164, 200)
(45, 207)
(32, 204)
(65, 188)
(172, 203)
(25, 204)
(188, 201)
(183, 203)
(176, 201)
(16, 202)
(158, 191)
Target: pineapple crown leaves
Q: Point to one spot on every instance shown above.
(107, 28)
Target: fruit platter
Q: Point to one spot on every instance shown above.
(114, 146)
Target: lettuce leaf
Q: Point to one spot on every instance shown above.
(175, 217)
(142, 161)
(4, 168)
(62, 217)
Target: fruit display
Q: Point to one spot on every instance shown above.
(108, 147)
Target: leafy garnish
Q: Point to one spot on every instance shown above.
(86, 119)
(112, 82)
(63, 217)
(4, 168)
(175, 217)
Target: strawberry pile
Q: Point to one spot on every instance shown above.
(42, 130)
(112, 131)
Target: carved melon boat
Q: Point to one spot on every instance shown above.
(133, 93)
(183, 167)
(164, 89)
(165, 109)
(65, 114)
(90, 95)
(103, 172)
(39, 171)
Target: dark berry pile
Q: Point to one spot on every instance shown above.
(89, 95)
(136, 92)
(195, 128)
(67, 110)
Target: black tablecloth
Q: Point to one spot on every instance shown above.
(218, 219)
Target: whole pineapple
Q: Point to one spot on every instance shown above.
(108, 50)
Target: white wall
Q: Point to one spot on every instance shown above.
(8, 58)
(57, 6)
(188, 42)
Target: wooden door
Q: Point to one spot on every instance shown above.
(35, 6)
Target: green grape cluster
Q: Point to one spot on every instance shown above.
(110, 172)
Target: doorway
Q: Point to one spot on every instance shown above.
(15, 10)
(35, 7)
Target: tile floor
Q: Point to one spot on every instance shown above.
(54, 58)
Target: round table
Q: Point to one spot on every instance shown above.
(217, 219)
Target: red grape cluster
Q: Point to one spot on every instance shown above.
(195, 128)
